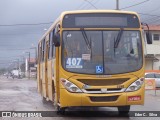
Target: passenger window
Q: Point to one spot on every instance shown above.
(150, 75)
(39, 53)
(49, 48)
(43, 49)
(50, 44)
(157, 75)
(53, 46)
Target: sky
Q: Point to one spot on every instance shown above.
(17, 39)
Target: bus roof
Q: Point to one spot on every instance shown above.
(83, 11)
(97, 11)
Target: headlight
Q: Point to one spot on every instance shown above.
(135, 85)
(70, 86)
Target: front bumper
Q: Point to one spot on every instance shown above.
(68, 99)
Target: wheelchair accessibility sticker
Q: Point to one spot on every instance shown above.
(99, 69)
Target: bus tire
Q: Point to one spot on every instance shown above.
(124, 110)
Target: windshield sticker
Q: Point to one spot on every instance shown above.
(86, 56)
(99, 69)
(74, 63)
(69, 35)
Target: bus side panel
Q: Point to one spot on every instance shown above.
(50, 89)
(54, 85)
(38, 78)
(56, 74)
(43, 80)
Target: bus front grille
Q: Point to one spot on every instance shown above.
(107, 91)
(104, 99)
(103, 82)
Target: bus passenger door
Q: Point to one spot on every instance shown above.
(39, 69)
(46, 68)
(49, 71)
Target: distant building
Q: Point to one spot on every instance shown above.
(30, 67)
(152, 52)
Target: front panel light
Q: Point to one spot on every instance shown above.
(70, 86)
(135, 85)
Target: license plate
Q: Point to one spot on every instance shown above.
(134, 98)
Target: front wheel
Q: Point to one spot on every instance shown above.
(123, 109)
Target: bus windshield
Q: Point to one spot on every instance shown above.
(101, 57)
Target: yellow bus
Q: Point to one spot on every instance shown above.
(93, 58)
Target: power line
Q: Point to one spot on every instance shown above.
(10, 62)
(95, 2)
(16, 56)
(83, 7)
(16, 49)
(135, 4)
(2, 45)
(151, 11)
(154, 9)
(156, 20)
(25, 24)
(83, 3)
(149, 14)
(86, 4)
(91, 4)
(150, 19)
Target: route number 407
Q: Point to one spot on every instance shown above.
(74, 63)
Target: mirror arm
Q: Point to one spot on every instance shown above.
(149, 40)
(145, 24)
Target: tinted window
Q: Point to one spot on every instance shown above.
(39, 53)
(53, 46)
(50, 45)
(157, 75)
(43, 49)
(93, 52)
(150, 75)
(156, 37)
(49, 48)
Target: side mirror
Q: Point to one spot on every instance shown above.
(149, 38)
(56, 36)
(148, 35)
(56, 39)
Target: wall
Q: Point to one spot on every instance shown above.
(155, 50)
(148, 64)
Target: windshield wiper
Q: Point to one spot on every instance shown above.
(116, 42)
(86, 38)
(88, 43)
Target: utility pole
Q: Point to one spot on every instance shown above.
(28, 65)
(35, 48)
(23, 64)
(117, 4)
(18, 65)
(35, 53)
